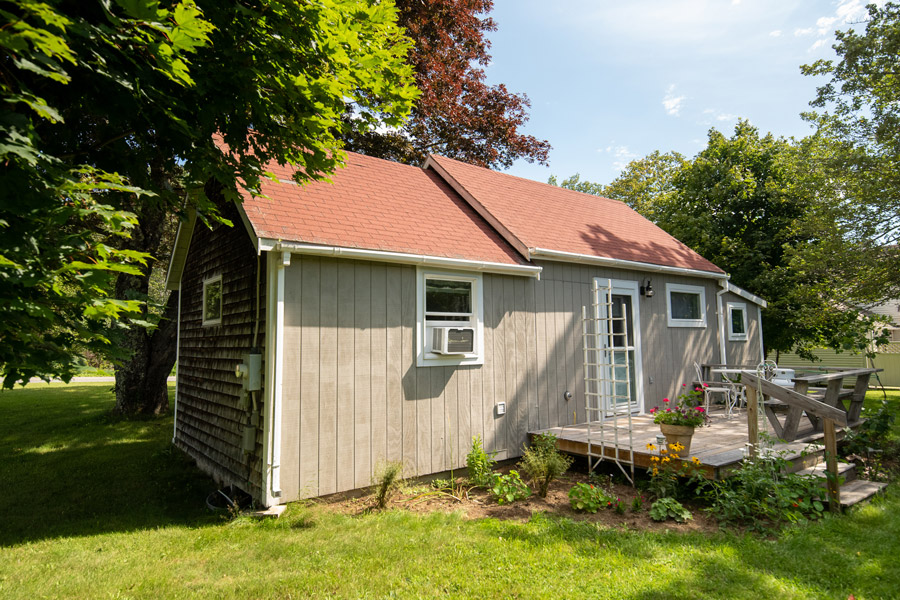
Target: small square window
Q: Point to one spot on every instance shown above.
(212, 300)
(737, 322)
(686, 305)
(450, 316)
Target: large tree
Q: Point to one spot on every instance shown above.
(753, 205)
(139, 89)
(858, 121)
(458, 114)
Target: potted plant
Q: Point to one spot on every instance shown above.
(678, 420)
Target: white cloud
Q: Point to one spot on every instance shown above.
(726, 117)
(776, 33)
(621, 154)
(851, 10)
(825, 25)
(671, 102)
(817, 44)
(804, 31)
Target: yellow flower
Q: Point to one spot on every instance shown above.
(666, 459)
(676, 447)
(662, 450)
(655, 471)
(651, 447)
(654, 459)
(695, 460)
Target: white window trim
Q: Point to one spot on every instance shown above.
(206, 283)
(425, 358)
(736, 337)
(686, 289)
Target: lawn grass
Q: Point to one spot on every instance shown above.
(93, 507)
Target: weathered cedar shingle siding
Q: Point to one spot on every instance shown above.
(209, 421)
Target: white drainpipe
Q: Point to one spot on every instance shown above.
(723, 357)
(274, 378)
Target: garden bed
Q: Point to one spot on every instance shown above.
(477, 503)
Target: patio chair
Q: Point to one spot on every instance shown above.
(714, 387)
(738, 397)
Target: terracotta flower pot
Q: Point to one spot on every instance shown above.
(678, 434)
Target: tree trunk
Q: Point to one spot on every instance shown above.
(141, 381)
(141, 387)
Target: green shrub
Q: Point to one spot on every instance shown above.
(506, 489)
(637, 504)
(543, 462)
(588, 498)
(760, 493)
(387, 479)
(669, 508)
(480, 464)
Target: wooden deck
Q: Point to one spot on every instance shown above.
(719, 447)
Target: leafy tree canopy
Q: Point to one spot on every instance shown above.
(110, 111)
(752, 205)
(858, 122)
(458, 114)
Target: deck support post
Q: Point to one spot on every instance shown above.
(831, 468)
(753, 420)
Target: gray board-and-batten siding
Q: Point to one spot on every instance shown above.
(353, 395)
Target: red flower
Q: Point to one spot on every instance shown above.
(683, 385)
(705, 385)
(665, 399)
(700, 409)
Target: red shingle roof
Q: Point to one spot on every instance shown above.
(376, 204)
(540, 215)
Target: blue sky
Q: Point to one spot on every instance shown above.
(613, 80)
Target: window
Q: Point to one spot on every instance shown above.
(895, 335)
(449, 300)
(212, 300)
(737, 321)
(686, 305)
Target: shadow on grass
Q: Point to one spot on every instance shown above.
(71, 469)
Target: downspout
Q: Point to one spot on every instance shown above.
(177, 367)
(277, 261)
(720, 316)
(762, 348)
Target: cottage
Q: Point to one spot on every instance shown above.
(397, 311)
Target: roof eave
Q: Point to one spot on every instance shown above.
(399, 257)
(180, 250)
(621, 264)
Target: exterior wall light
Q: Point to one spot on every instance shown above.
(647, 290)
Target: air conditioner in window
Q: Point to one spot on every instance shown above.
(453, 340)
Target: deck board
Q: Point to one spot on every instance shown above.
(718, 446)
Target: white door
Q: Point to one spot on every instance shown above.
(620, 346)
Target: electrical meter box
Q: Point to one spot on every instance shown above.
(252, 379)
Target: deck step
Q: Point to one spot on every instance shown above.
(845, 470)
(859, 490)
